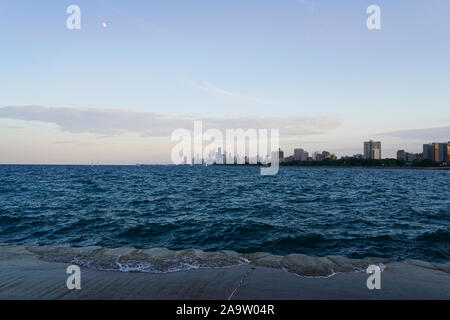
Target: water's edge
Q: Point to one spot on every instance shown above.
(162, 260)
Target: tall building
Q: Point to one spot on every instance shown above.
(300, 155)
(437, 152)
(280, 154)
(443, 151)
(372, 149)
(447, 159)
(219, 156)
(428, 153)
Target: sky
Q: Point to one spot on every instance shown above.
(113, 91)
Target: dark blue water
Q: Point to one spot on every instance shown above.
(353, 212)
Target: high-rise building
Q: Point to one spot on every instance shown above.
(447, 158)
(372, 149)
(428, 153)
(443, 152)
(437, 152)
(280, 154)
(300, 155)
(219, 156)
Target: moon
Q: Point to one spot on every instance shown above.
(104, 25)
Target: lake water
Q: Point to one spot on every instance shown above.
(352, 212)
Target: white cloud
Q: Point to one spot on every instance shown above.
(430, 134)
(115, 121)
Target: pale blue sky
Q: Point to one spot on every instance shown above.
(209, 58)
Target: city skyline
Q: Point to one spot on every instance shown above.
(435, 151)
(31, 129)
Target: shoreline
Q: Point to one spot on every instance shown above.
(25, 275)
(229, 165)
(338, 167)
(370, 167)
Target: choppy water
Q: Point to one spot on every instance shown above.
(353, 212)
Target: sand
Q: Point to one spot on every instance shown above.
(25, 276)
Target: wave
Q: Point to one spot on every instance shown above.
(162, 260)
(440, 235)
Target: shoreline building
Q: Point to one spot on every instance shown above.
(431, 151)
(280, 155)
(300, 155)
(372, 150)
(408, 156)
(443, 151)
(324, 155)
(437, 151)
(447, 158)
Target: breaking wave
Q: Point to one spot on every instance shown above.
(162, 260)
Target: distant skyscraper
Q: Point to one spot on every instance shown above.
(447, 157)
(442, 151)
(300, 155)
(428, 151)
(280, 154)
(438, 152)
(219, 156)
(372, 149)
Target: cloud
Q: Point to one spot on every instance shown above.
(430, 134)
(14, 127)
(209, 87)
(115, 121)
